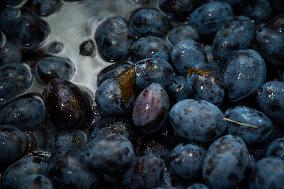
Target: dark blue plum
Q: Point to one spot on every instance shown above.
(66, 170)
(31, 32)
(51, 67)
(270, 43)
(111, 71)
(209, 17)
(276, 148)
(15, 79)
(14, 144)
(249, 124)
(109, 154)
(23, 112)
(14, 3)
(153, 70)
(88, 48)
(9, 19)
(180, 33)
(149, 47)
(149, 21)
(197, 120)
(186, 161)
(44, 8)
(258, 10)
(35, 181)
(113, 98)
(67, 105)
(245, 73)
(151, 109)
(55, 47)
(113, 37)
(226, 163)
(206, 88)
(157, 146)
(145, 172)
(9, 52)
(70, 140)
(234, 35)
(197, 186)
(233, 3)
(177, 10)
(270, 100)
(33, 164)
(206, 84)
(112, 125)
(186, 54)
(179, 88)
(269, 174)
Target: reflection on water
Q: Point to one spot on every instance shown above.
(77, 22)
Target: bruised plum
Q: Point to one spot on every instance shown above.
(151, 108)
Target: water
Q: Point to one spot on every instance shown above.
(76, 22)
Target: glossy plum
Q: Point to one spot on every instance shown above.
(245, 73)
(15, 79)
(153, 70)
(25, 112)
(209, 17)
(110, 153)
(235, 35)
(197, 120)
(66, 170)
(67, 106)
(9, 52)
(113, 37)
(14, 144)
(270, 100)
(149, 47)
(249, 124)
(149, 21)
(186, 161)
(51, 67)
(31, 32)
(186, 54)
(181, 33)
